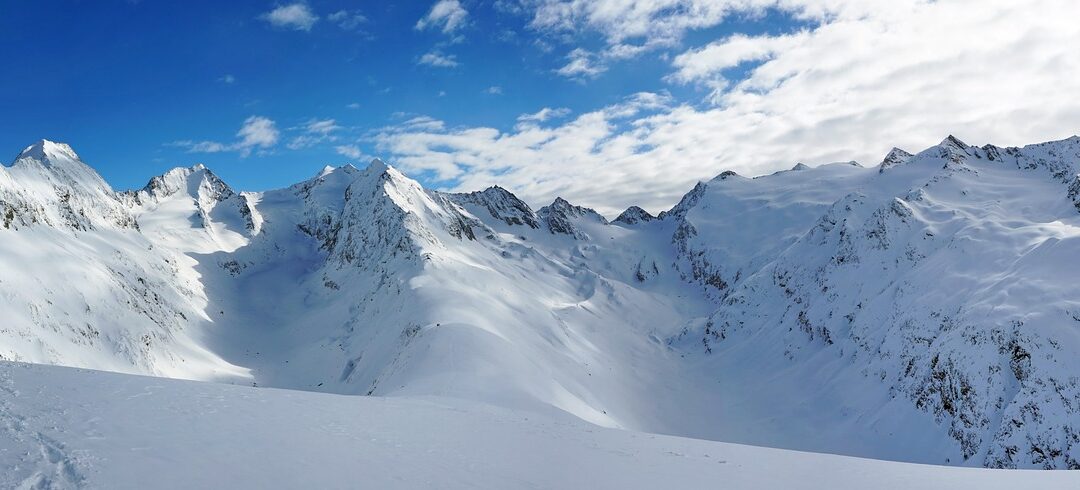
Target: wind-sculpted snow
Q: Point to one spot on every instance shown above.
(921, 310)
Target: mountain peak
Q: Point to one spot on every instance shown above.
(377, 166)
(953, 141)
(895, 157)
(46, 151)
(190, 180)
(634, 215)
(727, 174)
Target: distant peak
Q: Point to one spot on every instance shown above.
(346, 169)
(559, 202)
(46, 150)
(377, 166)
(634, 215)
(197, 167)
(800, 167)
(953, 141)
(727, 174)
(895, 157)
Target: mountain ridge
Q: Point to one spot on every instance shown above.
(361, 281)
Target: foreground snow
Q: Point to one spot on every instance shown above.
(67, 428)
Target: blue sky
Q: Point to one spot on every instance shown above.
(663, 94)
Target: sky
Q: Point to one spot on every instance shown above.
(607, 103)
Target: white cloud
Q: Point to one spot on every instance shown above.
(314, 132)
(447, 15)
(438, 59)
(581, 65)
(257, 133)
(353, 105)
(707, 62)
(200, 146)
(633, 27)
(296, 16)
(347, 20)
(871, 76)
(543, 115)
(494, 90)
(227, 79)
(351, 151)
(324, 126)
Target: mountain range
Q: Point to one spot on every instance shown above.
(923, 309)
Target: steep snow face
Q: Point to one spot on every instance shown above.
(189, 206)
(500, 204)
(80, 285)
(48, 184)
(951, 292)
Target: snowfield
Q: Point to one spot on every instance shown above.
(68, 428)
(921, 310)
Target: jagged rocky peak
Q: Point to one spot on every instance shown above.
(560, 215)
(800, 167)
(197, 181)
(501, 204)
(685, 204)
(634, 215)
(952, 149)
(727, 174)
(895, 157)
(953, 141)
(379, 167)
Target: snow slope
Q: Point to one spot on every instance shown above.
(944, 278)
(68, 428)
(920, 310)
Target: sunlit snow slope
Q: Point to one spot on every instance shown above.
(919, 310)
(69, 428)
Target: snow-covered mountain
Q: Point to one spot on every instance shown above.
(920, 310)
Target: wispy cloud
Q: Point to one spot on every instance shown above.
(581, 64)
(297, 16)
(348, 20)
(446, 15)
(351, 151)
(436, 58)
(543, 115)
(494, 90)
(314, 132)
(256, 134)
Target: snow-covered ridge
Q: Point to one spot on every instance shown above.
(921, 310)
